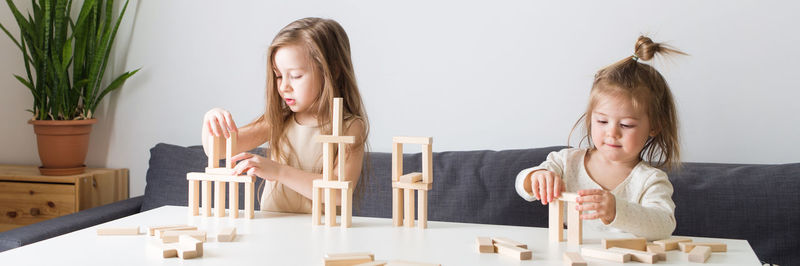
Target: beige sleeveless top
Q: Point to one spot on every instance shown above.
(307, 156)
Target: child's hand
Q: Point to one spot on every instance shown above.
(546, 186)
(219, 122)
(255, 165)
(602, 202)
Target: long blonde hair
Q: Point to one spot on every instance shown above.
(328, 49)
(648, 91)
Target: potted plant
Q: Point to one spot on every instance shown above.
(65, 60)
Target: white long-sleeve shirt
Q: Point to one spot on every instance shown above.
(644, 203)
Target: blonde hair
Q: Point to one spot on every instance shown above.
(328, 50)
(647, 90)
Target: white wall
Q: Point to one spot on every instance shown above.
(487, 75)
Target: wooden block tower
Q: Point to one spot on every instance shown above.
(403, 186)
(574, 225)
(221, 177)
(327, 183)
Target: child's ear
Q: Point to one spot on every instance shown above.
(653, 133)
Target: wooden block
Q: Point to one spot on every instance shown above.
(187, 254)
(427, 163)
(118, 231)
(173, 236)
(413, 186)
(233, 201)
(194, 198)
(397, 207)
(513, 251)
(638, 255)
(226, 234)
(350, 254)
(342, 153)
(214, 149)
(413, 140)
(152, 230)
(409, 263)
(671, 243)
(215, 177)
(508, 241)
(316, 205)
(556, 221)
(219, 198)
(485, 245)
(229, 146)
(330, 208)
(569, 197)
(249, 198)
(347, 207)
(397, 161)
(605, 254)
(639, 243)
(319, 183)
(373, 263)
(659, 250)
(206, 187)
(574, 226)
(327, 161)
(411, 178)
(715, 247)
(422, 209)
(336, 117)
(188, 243)
(573, 259)
(167, 251)
(219, 171)
(335, 139)
(700, 254)
(160, 231)
(409, 208)
(346, 261)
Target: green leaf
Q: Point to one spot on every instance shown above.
(114, 85)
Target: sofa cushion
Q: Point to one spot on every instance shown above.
(166, 175)
(758, 203)
(468, 186)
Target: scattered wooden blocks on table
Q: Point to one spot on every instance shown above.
(152, 230)
(226, 234)
(671, 243)
(409, 263)
(485, 245)
(373, 263)
(510, 242)
(605, 254)
(174, 236)
(118, 231)
(160, 231)
(638, 255)
(715, 247)
(167, 251)
(700, 254)
(639, 243)
(347, 260)
(573, 259)
(658, 250)
(187, 242)
(513, 251)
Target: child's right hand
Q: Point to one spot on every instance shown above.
(546, 186)
(219, 122)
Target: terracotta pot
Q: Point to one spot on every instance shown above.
(63, 145)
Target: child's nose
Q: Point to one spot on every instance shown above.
(284, 86)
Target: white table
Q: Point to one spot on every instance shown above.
(289, 239)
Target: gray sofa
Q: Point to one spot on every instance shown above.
(759, 203)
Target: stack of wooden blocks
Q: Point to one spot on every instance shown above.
(405, 185)
(556, 222)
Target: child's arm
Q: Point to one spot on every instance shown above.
(554, 164)
(653, 216)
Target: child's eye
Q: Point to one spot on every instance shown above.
(602, 121)
(297, 77)
(626, 126)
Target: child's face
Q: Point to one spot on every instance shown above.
(618, 131)
(298, 84)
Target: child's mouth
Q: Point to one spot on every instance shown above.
(289, 101)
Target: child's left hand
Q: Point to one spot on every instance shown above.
(255, 165)
(600, 201)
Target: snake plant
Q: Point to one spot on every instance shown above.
(65, 59)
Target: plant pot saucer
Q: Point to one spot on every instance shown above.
(62, 171)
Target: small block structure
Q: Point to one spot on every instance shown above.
(639, 243)
(323, 189)
(118, 231)
(574, 222)
(700, 254)
(221, 178)
(573, 259)
(404, 186)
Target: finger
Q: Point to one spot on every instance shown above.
(584, 192)
(241, 156)
(587, 207)
(209, 127)
(550, 184)
(542, 191)
(590, 216)
(251, 171)
(231, 124)
(590, 198)
(557, 187)
(223, 124)
(535, 188)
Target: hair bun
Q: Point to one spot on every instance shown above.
(646, 49)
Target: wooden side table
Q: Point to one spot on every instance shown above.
(26, 197)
